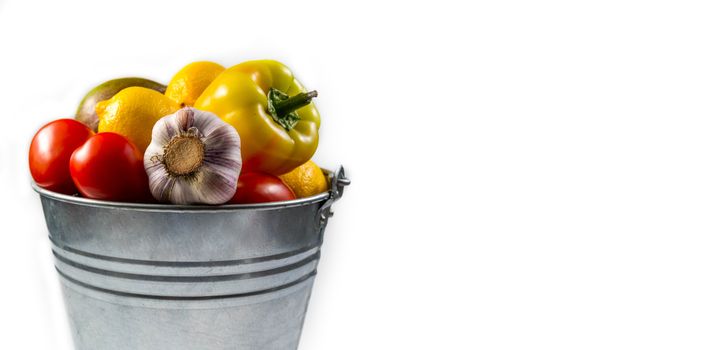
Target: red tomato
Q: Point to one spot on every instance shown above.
(109, 167)
(50, 151)
(261, 188)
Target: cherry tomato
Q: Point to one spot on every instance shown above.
(261, 188)
(109, 167)
(50, 151)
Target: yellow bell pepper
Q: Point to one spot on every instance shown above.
(272, 112)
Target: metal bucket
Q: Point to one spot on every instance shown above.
(153, 277)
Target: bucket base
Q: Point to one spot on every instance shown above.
(267, 321)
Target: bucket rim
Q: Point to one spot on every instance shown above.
(176, 207)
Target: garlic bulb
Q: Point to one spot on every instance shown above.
(194, 158)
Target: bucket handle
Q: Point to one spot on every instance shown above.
(338, 181)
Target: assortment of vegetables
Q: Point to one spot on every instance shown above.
(244, 134)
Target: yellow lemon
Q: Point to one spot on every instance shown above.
(132, 113)
(306, 180)
(185, 87)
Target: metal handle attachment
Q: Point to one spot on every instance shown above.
(338, 181)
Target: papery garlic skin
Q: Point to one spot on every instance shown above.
(194, 158)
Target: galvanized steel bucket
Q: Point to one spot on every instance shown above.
(153, 277)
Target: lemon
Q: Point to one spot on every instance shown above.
(133, 112)
(185, 87)
(306, 180)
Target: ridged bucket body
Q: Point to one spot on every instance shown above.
(153, 277)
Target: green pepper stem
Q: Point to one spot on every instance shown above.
(293, 103)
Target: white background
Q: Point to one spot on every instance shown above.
(526, 175)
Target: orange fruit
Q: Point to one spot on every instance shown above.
(133, 112)
(306, 180)
(185, 87)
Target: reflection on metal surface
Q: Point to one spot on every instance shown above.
(155, 276)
